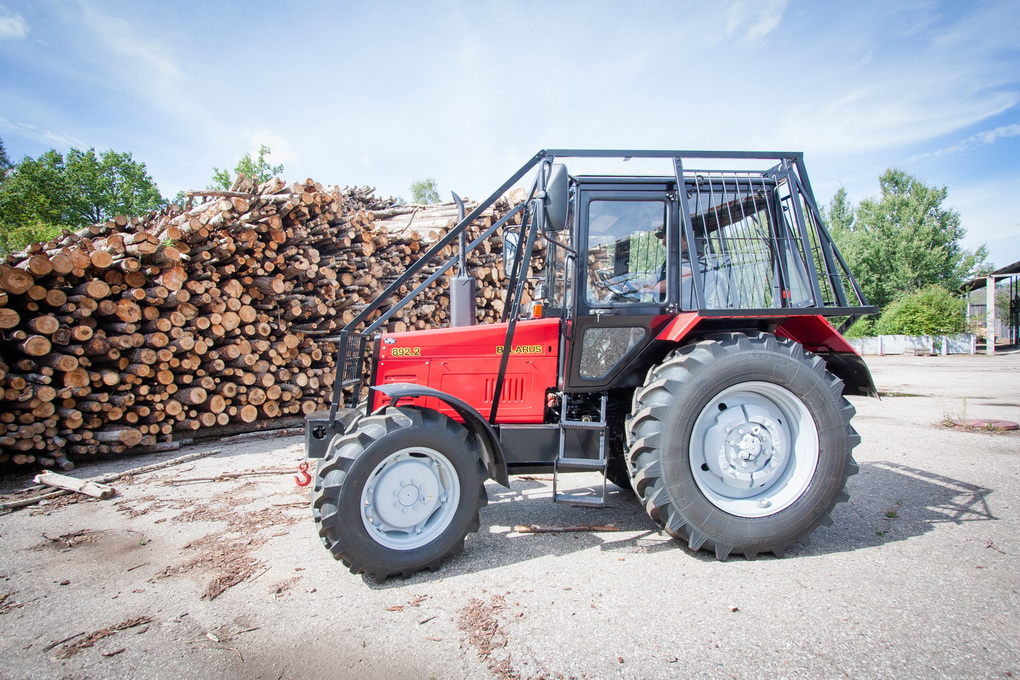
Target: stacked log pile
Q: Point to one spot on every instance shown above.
(212, 318)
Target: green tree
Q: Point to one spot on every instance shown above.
(902, 241)
(112, 184)
(257, 169)
(36, 190)
(839, 217)
(932, 310)
(40, 196)
(5, 162)
(425, 191)
(839, 214)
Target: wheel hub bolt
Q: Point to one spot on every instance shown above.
(750, 446)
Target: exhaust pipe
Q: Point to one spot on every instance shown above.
(462, 286)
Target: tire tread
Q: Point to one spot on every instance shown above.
(332, 471)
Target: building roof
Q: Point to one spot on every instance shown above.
(981, 281)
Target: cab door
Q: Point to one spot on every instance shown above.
(627, 279)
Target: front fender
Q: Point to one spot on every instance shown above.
(492, 450)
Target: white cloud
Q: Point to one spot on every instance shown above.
(12, 25)
(991, 136)
(56, 140)
(884, 115)
(751, 21)
(975, 140)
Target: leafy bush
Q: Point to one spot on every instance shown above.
(932, 310)
(864, 328)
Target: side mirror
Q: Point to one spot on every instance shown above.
(556, 198)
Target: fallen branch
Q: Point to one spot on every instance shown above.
(534, 529)
(83, 486)
(60, 642)
(25, 502)
(282, 432)
(230, 475)
(105, 479)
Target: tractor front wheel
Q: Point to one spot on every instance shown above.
(399, 492)
(741, 444)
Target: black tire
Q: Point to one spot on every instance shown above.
(708, 476)
(428, 465)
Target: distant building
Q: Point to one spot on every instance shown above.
(995, 315)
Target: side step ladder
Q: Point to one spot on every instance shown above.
(570, 464)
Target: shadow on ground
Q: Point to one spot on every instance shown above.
(889, 502)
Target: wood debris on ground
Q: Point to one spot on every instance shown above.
(90, 639)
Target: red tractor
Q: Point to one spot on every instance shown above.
(679, 342)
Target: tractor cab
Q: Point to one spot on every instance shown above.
(714, 250)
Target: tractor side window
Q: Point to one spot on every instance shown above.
(626, 251)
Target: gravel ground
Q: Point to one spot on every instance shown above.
(180, 576)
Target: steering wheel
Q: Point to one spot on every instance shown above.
(619, 288)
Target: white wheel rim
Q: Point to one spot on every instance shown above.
(754, 449)
(410, 498)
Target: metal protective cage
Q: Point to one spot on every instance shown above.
(758, 237)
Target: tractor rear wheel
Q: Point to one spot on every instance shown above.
(399, 492)
(741, 444)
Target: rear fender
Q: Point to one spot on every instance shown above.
(492, 451)
(851, 369)
(814, 333)
(678, 329)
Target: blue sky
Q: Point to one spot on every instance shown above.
(385, 93)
